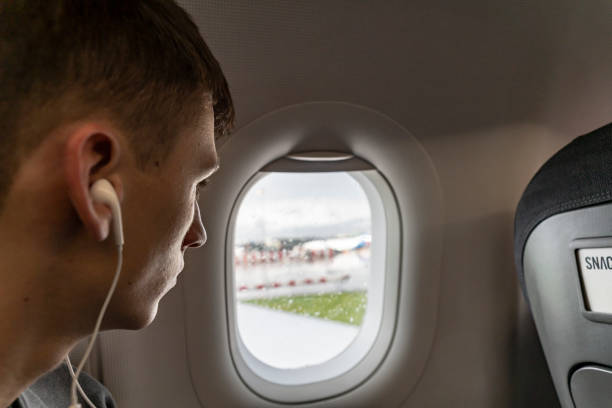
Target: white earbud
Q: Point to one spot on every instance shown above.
(103, 192)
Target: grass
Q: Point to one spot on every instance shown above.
(345, 307)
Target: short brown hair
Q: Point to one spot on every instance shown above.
(141, 62)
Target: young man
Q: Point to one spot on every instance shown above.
(120, 90)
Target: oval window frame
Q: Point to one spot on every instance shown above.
(352, 365)
(334, 126)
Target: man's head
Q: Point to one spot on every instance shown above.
(123, 90)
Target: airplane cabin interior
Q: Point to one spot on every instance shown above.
(366, 245)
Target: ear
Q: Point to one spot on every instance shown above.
(91, 153)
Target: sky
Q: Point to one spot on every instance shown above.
(297, 205)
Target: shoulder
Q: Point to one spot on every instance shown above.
(53, 390)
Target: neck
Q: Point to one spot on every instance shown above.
(26, 352)
(25, 361)
(34, 337)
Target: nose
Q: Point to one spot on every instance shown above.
(196, 235)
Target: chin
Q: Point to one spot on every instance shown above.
(137, 307)
(138, 320)
(130, 316)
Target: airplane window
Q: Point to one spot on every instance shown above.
(302, 264)
(313, 267)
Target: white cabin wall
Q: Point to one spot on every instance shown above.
(476, 360)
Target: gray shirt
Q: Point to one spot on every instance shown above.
(52, 390)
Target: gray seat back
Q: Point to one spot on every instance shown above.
(563, 254)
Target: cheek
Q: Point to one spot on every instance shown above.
(158, 222)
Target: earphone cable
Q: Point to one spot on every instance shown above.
(81, 392)
(73, 389)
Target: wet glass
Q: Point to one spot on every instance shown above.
(301, 266)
